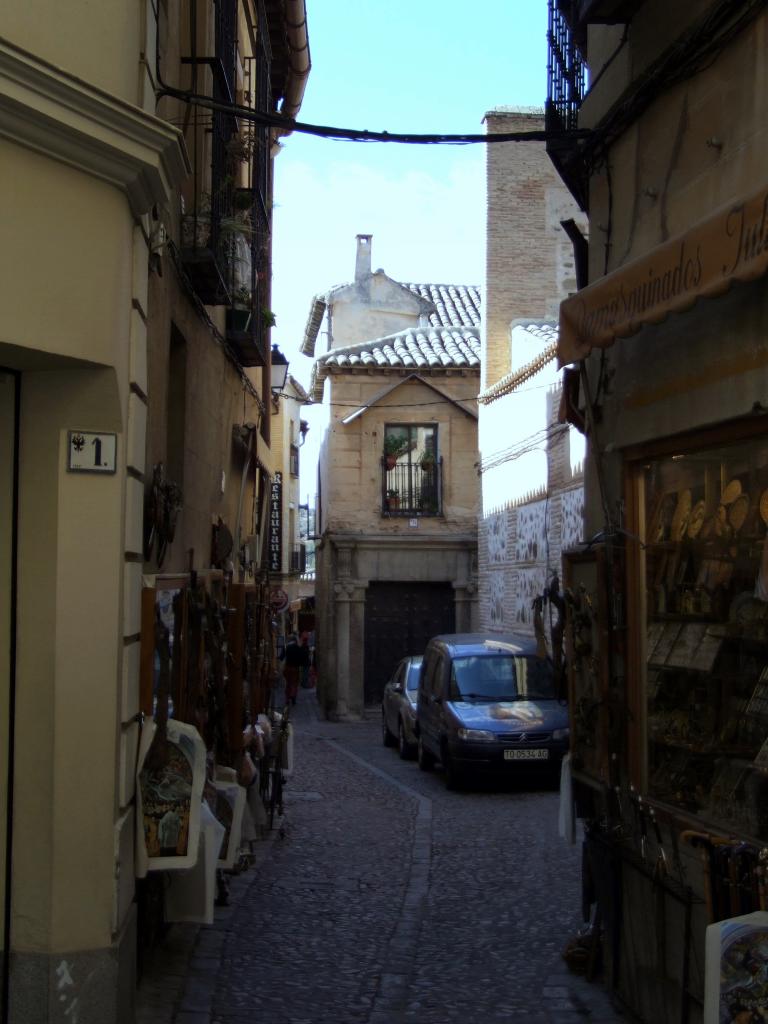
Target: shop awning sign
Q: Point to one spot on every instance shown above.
(731, 245)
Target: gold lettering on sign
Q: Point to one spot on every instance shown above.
(730, 245)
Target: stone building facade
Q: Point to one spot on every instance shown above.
(398, 493)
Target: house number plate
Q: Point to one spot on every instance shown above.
(92, 453)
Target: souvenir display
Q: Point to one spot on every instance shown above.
(736, 969)
(169, 788)
(738, 512)
(706, 688)
(696, 521)
(731, 492)
(681, 515)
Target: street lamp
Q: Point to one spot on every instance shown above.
(278, 370)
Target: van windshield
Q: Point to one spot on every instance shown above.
(502, 677)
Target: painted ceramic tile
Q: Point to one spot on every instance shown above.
(531, 583)
(572, 522)
(531, 532)
(169, 779)
(497, 538)
(496, 580)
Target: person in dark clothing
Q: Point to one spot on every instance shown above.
(296, 658)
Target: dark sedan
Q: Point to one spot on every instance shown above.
(398, 707)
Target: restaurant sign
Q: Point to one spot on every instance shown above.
(731, 245)
(276, 524)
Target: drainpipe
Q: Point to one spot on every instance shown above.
(299, 61)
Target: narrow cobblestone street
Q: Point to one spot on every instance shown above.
(386, 899)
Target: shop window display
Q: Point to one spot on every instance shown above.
(706, 585)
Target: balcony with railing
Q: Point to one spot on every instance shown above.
(411, 489)
(299, 558)
(206, 245)
(249, 320)
(566, 88)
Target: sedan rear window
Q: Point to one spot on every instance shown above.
(502, 677)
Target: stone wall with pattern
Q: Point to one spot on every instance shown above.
(520, 545)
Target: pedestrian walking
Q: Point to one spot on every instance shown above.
(296, 659)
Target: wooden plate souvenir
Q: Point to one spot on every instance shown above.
(731, 492)
(681, 516)
(764, 507)
(696, 520)
(738, 512)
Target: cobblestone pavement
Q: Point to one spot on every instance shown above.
(386, 899)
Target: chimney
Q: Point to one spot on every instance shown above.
(363, 259)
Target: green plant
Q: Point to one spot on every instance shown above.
(242, 297)
(393, 493)
(394, 445)
(268, 318)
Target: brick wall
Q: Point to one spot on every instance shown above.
(529, 260)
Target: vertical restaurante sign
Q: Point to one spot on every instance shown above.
(276, 524)
(731, 245)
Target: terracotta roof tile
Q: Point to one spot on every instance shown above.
(417, 347)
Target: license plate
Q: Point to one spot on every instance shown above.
(526, 755)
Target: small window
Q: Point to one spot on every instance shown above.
(410, 470)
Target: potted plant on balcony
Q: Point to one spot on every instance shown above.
(393, 499)
(242, 309)
(393, 448)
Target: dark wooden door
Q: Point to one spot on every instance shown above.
(399, 620)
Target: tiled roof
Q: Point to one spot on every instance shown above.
(445, 305)
(546, 333)
(417, 348)
(454, 303)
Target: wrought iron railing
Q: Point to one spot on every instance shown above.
(251, 237)
(566, 71)
(206, 243)
(412, 488)
(299, 558)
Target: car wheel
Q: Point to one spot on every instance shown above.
(386, 736)
(425, 759)
(405, 749)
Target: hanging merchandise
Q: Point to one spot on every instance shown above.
(169, 780)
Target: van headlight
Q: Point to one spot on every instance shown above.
(561, 734)
(475, 735)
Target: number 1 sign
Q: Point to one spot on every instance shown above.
(91, 453)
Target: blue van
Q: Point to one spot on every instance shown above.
(488, 702)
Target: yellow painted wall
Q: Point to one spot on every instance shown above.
(65, 265)
(70, 600)
(95, 40)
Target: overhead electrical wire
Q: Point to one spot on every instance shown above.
(288, 125)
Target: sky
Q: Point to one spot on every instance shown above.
(423, 66)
